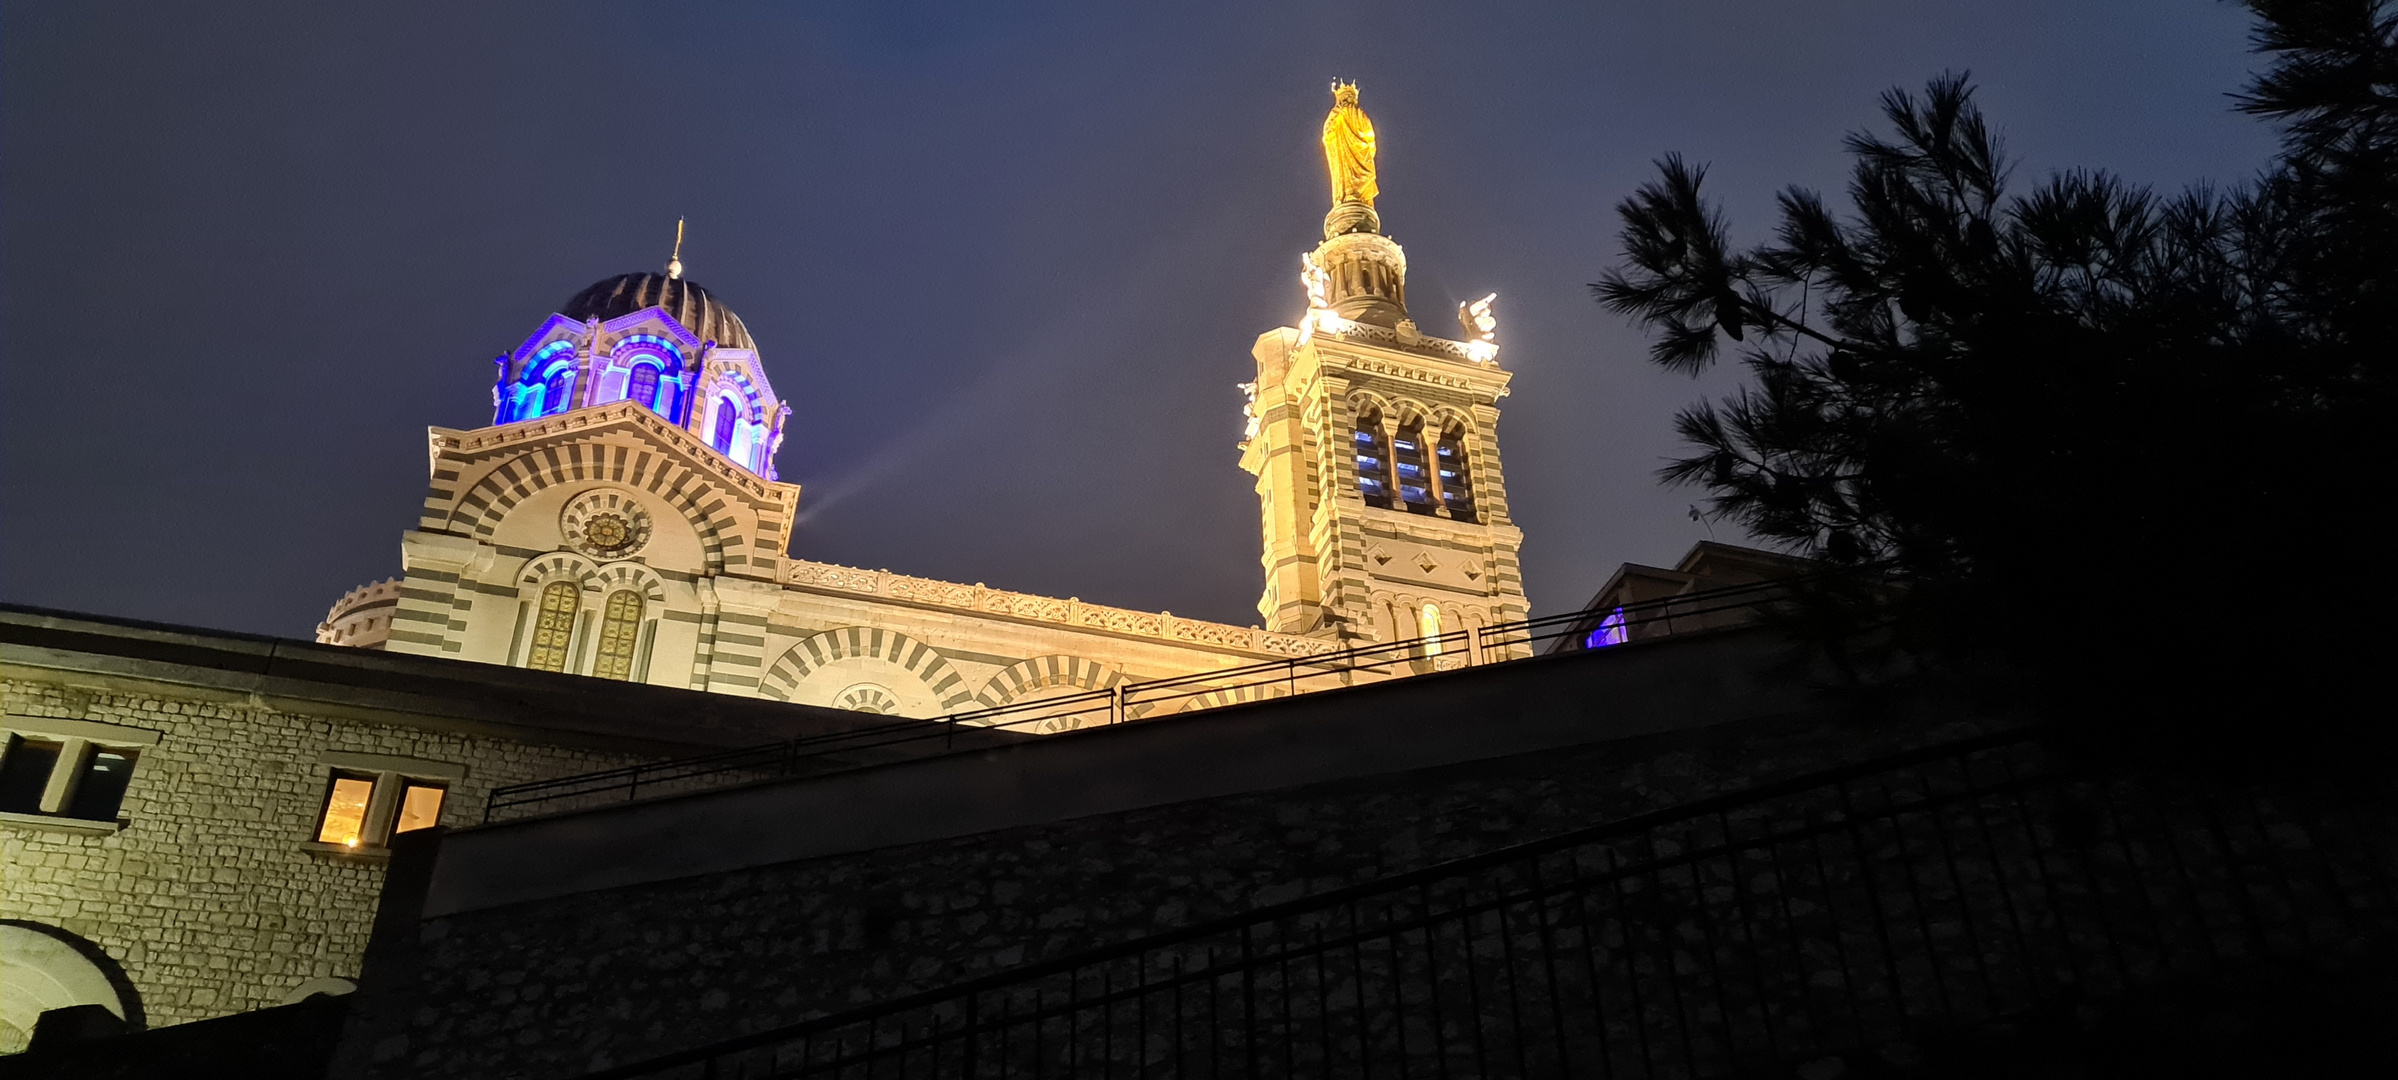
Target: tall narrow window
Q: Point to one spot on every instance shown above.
(722, 440)
(1415, 478)
(1428, 628)
(554, 392)
(642, 387)
(1456, 480)
(101, 787)
(559, 601)
(343, 820)
(619, 628)
(420, 806)
(1373, 460)
(26, 772)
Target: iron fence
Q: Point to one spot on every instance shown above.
(1726, 936)
(1122, 703)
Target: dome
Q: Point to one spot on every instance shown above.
(689, 304)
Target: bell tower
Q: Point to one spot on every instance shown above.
(1375, 445)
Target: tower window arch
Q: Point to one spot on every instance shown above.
(557, 388)
(1373, 459)
(1413, 473)
(1428, 628)
(660, 357)
(620, 629)
(642, 386)
(1449, 458)
(555, 630)
(722, 436)
(539, 388)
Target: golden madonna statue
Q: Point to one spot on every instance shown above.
(1349, 148)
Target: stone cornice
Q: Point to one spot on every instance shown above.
(700, 456)
(1357, 333)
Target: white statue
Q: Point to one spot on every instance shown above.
(1481, 329)
(1479, 323)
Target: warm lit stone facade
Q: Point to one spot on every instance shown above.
(205, 888)
(621, 518)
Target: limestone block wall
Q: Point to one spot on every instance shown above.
(209, 897)
(561, 986)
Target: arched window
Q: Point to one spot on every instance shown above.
(556, 628)
(1428, 628)
(1456, 479)
(642, 387)
(555, 391)
(722, 440)
(1373, 459)
(1415, 478)
(620, 627)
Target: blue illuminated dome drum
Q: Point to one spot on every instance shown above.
(661, 342)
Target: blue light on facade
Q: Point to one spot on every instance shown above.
(1610, 632)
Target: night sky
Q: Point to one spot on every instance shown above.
(1005, 265)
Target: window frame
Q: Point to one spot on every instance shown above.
(390, 778)
(608, 660)
(80, 743)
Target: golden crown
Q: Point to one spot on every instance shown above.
(1343, 93)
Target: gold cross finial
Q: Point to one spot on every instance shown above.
(674, 263)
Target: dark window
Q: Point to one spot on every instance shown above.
(101, 788)
(723, 440)
(642, 388)
(25, 772)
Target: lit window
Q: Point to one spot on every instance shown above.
(1610, 632)
(344, 818)
(1456, 479)
(1415, 482)
(556, 628)
(420, 806)
(1373, 466)
(642, 387)
(1428, 627)
(64, 778)
(366, 809)
(619, 627)
(558, 388)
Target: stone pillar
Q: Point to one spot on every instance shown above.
(428, 619)
(737, 656)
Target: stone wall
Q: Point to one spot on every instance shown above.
(559, 986)
(208, 897)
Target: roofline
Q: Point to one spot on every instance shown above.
(430, 692)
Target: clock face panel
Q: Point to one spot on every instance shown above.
(605, 524)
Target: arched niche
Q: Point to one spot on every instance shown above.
(43, 967)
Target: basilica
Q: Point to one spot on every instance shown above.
(621, 516)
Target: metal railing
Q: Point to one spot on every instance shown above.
(1734, 934)
(1122, 703)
